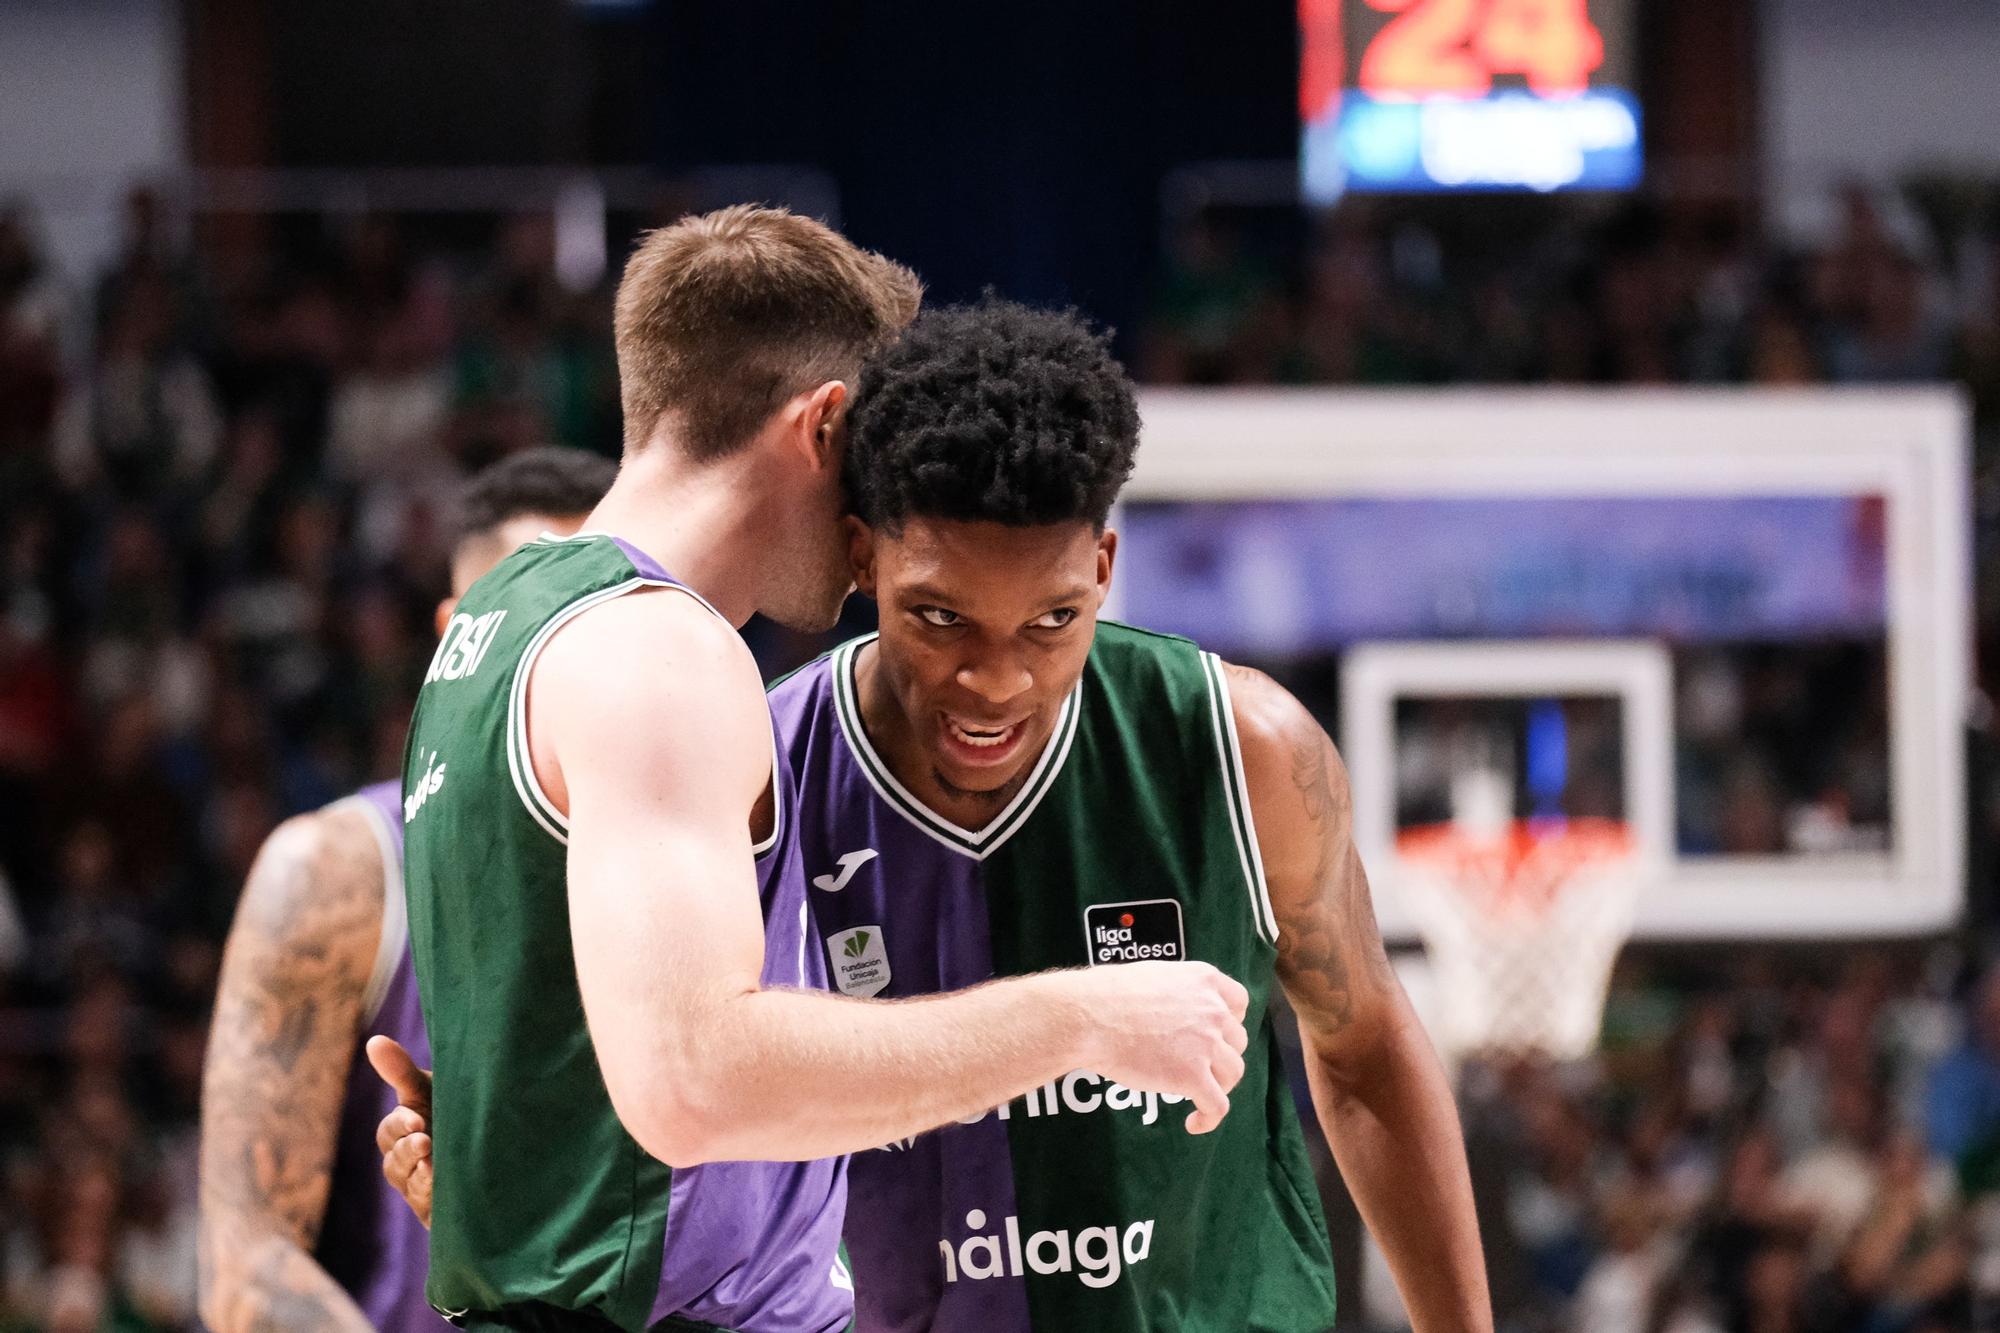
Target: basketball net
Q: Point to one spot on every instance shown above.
(1522, 919)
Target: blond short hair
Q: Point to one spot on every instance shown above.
(723, 317)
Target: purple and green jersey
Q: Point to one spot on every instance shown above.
(370, 1242)
(1085, 1204)
(546, 1213)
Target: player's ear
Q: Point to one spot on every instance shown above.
(861, 554)
(822, 422)
(1107, 556)
(444, 609)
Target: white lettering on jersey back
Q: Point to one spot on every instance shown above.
(423, 788)
(466, 641)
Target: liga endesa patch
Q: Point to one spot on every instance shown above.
(1135, 932)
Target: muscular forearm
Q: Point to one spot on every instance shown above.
(1394, 1131)
(270, 1285)
(789, 1075)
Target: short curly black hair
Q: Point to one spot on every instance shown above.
(995, 412)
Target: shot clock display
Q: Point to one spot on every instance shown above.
(1432, 95)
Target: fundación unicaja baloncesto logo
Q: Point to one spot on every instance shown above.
(860, 963)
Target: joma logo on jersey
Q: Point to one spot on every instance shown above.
(467, 639)
(1097, 1255)
(424, 788)
(1134, 932)
(847, 865)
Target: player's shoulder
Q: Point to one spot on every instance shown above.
(1263, 709)
(650, 687)
(1221, 702)
(339, 836)
(1153, 671)
(663, 634)
(317, 873)
(556, 576)
(1284, 748)
(543, 568)
(1267, 723)
(1153, 695)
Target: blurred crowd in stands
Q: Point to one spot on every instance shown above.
(1776, 1148)
(226, 474)
(1644, 295)
(224, 489)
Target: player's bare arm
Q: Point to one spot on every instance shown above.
(1378, 1088)
(648, 723)
(294, 977)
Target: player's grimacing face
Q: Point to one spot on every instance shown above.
(985, 630)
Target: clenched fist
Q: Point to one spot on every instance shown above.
(1171, 1028)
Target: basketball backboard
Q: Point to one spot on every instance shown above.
(1791, 568)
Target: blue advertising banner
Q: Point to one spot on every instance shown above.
(1288, 576)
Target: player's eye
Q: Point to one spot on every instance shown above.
(938, 616)
(1056, 619)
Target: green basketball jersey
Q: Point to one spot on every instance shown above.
(541, 1199)
(1084, 1205)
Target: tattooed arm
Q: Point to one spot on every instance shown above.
(286, 1019)
(1381, 1095)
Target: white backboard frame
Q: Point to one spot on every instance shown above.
(1910, 446)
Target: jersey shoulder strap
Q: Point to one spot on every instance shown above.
(380, 807)
(1142, 678)
(600, 568)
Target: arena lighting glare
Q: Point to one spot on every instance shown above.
(1424, 96)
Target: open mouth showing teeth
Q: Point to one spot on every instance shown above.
(980, 737)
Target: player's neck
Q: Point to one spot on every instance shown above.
(705, 525)
(894, 739)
